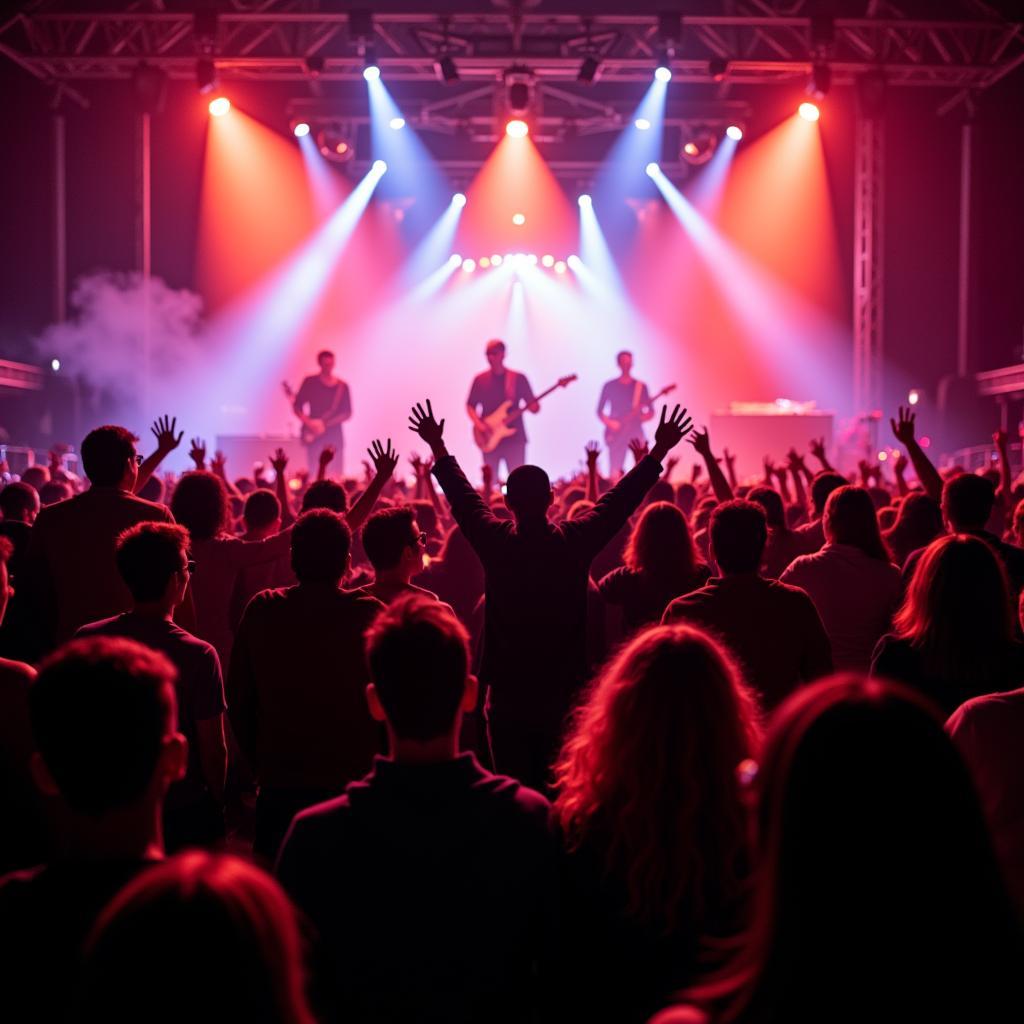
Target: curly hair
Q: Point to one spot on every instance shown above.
(649, 773)
(201, 504)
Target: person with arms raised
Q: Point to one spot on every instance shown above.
(535, 623)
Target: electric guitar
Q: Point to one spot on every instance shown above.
(500, 423)
(311, 428)
(633, 416)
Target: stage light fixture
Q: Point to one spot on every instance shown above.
(519, 219)
(336, 143)
(663, 73)
(497, 260)
(446, 69)
(206, 75)
(458, 200)
(220, 106)
(820, 81)
(396, 124)
(314, 65)
(301, 130)
(517, 129)
(588, 70)
(371, 70)
(642, 123)
(914, 397)
(718, 68)
(700, 147)
(485, 262)
(379, 166)
(809, 111)
(560, 267)
(574, 262)
(55, 365)
(469, 266)
(735, 132)
(652, 169)
(532, 259)
(547, 260)
(585, 201)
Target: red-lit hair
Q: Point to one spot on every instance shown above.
(649, 771)
(661, 543)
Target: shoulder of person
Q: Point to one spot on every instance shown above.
(681, 1015)
(97, 628)
(17, 670)
(527, 802)
(613, 581)
(986, 708)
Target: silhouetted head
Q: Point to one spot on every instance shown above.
(418, 655)
(967, 502)
(771, 501)
(54, 491)
(661, 543)
(625, 361)
(321, 546)
(104, 721)
(36, 477)
(19, 502)
(262, 510)
(151, 557)
(392, 539)
(495, 352)
(200, 503)
(200, 929)
(686, 498)
(739, 532)
(919, 517)
(528, 492)
(850, 518)
(325, 360)
(327, 494)
(109, 457)
(823, 484)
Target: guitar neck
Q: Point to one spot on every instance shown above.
(516, 413)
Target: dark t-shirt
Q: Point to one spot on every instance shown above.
(434, 890)
(621, 397)
(489, 391)
(325, 401)
(199, 687)
(643, 598)
(46, 914)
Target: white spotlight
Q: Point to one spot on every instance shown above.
(735, 132)
(585, 201)
(663, 73)
(397, 123)
(642, 123)
(458, 200)
(455, 260)
(469, 266)
(652, 169)
(379, 166)
(574, 262)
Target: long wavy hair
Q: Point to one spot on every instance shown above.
(877, 885)
(648, 776)
(957, 612)
(661, 544)
(200, 503)
(850, 518)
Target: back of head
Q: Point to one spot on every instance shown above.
(418, 655)
(148, 555)
(262, 509)
(771, 501)
(648, 772)
(101, 709)
(739, 532)
(686, 498)
(327, 494)
(321, 545)
(19, 501)
(200, 504)
(661, 490)
(823, 484)
(957, 608)
(199, 930)
(54, 491)
(387, 535)
(661, 543)
(878, 878)
(37, 477)
(850, 518)
(106, 452)
(967, 501)
(919, 516)
(153, 490)
(528, 492)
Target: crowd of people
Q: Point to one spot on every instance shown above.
(288, 748)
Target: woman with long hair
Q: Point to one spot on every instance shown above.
(648, 799)
(201, 504)
(661, 564)
(878, 896)
(851, 581)
(784, 543)
(953, 636)
(199, 937)
(918, 523)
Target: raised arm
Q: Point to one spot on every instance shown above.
(797, 470)
(730, 467)
(166, 441)
(384, 462)
(702, 445)
(999, 439)
(929, 476)
(817, 447)
(593, 449)
(899, 469)
(326, 455)
(279, 464)
(218, 466)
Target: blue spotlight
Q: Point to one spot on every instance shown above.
(585, 201)
(652, 169)
(301, 130)
(663, 73)
(642, 123)
(371, 72)
(397, 123)
(379, 166)
(458, 200)
(735, 132)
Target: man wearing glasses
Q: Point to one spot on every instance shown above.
(152, 561)
(396, 548)
(69, 577)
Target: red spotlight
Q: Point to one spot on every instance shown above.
(220, 106)
(809, 111)
(517, 129)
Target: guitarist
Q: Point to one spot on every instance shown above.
(624, 405)
(323, 403)
(489, 390)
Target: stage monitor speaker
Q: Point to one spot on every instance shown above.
(244, 450)
(751, 437)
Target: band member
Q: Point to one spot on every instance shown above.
(624, 406)
(492, 388)
(323, 404)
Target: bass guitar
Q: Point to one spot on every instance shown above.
(501, 423)
(632, 418)
(311, 428)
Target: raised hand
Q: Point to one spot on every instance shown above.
(198, 452)
(701, 443)
(384, 459)
(163, 430)
(279, 461)
(218, 463)
(671, 430)
(796, 461)
(903, 428)
(423, 423)
(999, 438)
(638, 448)
(769, 469)
(593, 450)
(817, 446)
(695, 472)
(670, 465)
(326, 454)
(487, 475)
(730, 459)
(899, 462)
